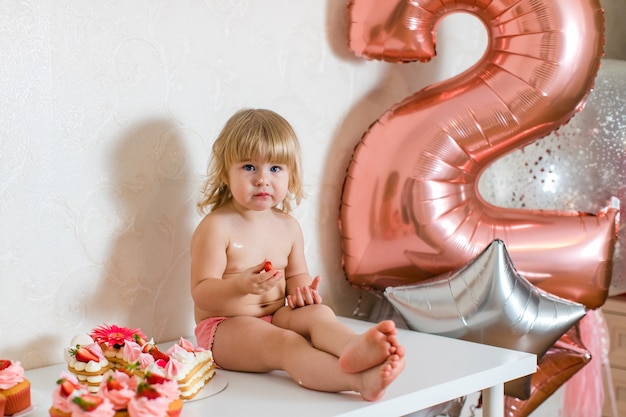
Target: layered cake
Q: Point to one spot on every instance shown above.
(86, 360)
(197, 367)
(191, 367)
(14, 387)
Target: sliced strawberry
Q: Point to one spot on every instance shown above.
(4, 364)
(139, 340)
(88, 402)
(145, 390)
(67, 387)
(114, 385)
(267, 266)
(85, 355)
(155, 379)
(158, 355)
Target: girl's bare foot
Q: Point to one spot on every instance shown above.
(371, 348)
(376, 380)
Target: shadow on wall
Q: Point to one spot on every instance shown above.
(146, 275)
(396, 83)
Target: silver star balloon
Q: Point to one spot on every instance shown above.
(488, 301)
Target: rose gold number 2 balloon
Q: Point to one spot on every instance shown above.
(410, 206)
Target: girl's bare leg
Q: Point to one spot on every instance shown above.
(253, 345)
(356, 353)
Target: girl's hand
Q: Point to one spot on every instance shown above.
(303, 296)
(258, 280)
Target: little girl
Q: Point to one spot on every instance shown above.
(256, 306)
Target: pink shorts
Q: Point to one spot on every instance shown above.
(205, 331)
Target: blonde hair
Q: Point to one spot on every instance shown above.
(248, 134)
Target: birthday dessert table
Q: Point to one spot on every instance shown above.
(438, 369)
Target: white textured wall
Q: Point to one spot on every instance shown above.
(108, 111)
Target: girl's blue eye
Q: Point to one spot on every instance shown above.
(248, 167)
(275, 168)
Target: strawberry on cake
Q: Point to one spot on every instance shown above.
(85, 404)
(85, 360)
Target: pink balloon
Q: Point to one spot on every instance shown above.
(563, 360)
(410, 206)
(554, 174)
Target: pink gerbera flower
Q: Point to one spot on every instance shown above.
(115, 336)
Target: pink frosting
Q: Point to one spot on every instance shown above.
(187, 345)
(170, 368)
(11, 375)
(118, 397)
(144, 407)
(173, 367)
(168, 390)
(133, 353)
(103, 410)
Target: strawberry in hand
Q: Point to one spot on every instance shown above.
(267, 266)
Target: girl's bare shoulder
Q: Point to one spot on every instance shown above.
(288, 225)
(286, 218)
(213, 223)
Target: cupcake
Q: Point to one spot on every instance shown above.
(3, 403)
(14, 387)
(118, 387)
(157, 396)
(72, 399)
(63, 394)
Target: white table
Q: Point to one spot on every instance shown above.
(438, 369)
